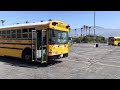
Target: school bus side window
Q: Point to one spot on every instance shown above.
(13, 33)
(8, 33)
(30, 32)
(25, 33)
(19, 33)
(0, 34)
(3, 34)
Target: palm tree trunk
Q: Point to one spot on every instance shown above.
(81, 32)
(75, 33)
(89, 31)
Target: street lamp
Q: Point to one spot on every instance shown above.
(96, 45)
(94, 27)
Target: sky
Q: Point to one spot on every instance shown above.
(76, 19)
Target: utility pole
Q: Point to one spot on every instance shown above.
(94, 28)
(96, 45)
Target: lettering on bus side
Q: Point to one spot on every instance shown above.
(60, 25)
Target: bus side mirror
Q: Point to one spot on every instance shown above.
(67, 26)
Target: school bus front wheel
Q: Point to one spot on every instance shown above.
(118, 44)
(27, 55)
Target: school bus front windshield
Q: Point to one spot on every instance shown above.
(58, 37)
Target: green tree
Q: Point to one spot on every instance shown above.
(2, 21)
(26, 21)
(50, 20)
(100, 39)
(90, 38)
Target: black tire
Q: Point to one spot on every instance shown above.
(27, 55)
(118, 44)
(66, 55)
(51, 59)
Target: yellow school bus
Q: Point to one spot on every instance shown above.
(115, 40)
(41, 41)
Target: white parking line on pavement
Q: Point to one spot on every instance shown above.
(107, 64)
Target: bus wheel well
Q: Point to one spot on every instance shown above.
(26, 52)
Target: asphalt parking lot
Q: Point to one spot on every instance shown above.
(84, 62)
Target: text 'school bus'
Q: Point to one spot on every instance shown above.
(114, 41)
(41, 41)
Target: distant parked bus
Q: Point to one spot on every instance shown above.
(114, 41)
(41, 41)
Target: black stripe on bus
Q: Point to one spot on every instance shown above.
(16, 39)
(17, 43)
(13, 48)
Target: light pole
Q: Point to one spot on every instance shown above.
(96, 45)
(94, 27)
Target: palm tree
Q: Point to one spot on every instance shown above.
(50, 20)
(26, 22)
(81, 31)
(75, 33)
(41, 21)
(2, 21)
(86, 30)
(17, 23)
(89, 30)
